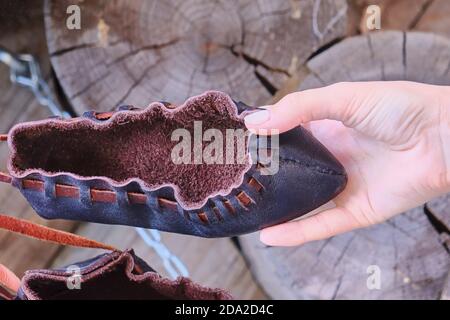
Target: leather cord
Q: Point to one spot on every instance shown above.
(44, 233)
(8, 279)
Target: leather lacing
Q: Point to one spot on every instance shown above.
(110, 196)
(41, 232)
(8, 279)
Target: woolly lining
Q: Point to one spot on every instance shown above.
(133, 145)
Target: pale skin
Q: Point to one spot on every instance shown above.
(393, 139)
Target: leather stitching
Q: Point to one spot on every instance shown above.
(315, 168)
(109, 196)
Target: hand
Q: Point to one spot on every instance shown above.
(393, 138)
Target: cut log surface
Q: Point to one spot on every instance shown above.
(135, 52)
(404, 15)
(435, 18)
(412, 249)
(395, 14)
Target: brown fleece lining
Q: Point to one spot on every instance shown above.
(134, 144)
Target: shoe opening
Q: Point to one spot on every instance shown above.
(199, 148)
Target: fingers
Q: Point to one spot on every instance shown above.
(321, 226)
(8, 279)
(332, 102)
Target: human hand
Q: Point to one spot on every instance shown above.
(393, 138)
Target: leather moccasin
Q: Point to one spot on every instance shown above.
(111, 276)
(190, 169)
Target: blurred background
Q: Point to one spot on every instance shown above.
(98, 54)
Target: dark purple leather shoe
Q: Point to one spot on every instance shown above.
(114, 275)
(111, 276)
(118, 168)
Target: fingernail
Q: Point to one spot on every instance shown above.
(263, 239)
(258, 117)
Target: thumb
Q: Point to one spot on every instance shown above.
(323, 225)
(331, 102)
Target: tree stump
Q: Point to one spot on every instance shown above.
(412, 249)
(135, 52)
(404, 15)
